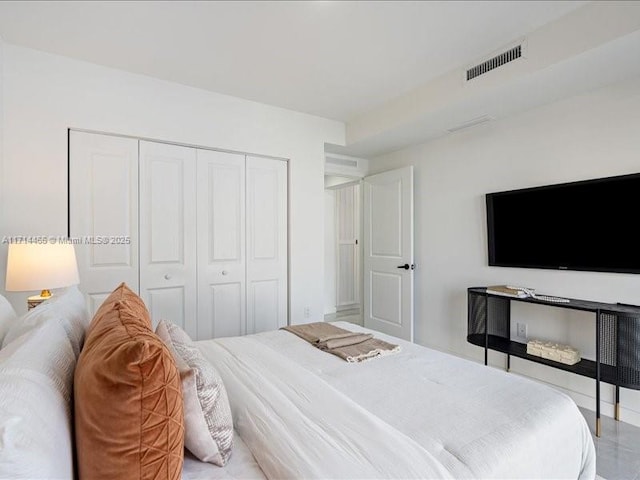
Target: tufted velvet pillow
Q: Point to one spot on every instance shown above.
(128, 398)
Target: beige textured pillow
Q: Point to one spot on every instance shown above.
(207, 414)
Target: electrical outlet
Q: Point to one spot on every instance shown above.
(522, 330)
(307, 312)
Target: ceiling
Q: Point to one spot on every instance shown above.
(392, 71)
(334, 59)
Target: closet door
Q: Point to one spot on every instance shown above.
(168, 233)
(266, 244)
(103, 212)
(221, 244)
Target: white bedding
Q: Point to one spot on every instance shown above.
(304, 413)
(241, 466)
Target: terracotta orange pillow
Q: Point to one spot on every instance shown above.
(127, 396)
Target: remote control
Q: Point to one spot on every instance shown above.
(548, 298)
(529, 291)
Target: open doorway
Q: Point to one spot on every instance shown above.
(343, 249)
(369, 234)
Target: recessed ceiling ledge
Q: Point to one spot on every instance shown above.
(590, 27)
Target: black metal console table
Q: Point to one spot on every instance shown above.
(617, 339)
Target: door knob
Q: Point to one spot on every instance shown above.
(224, 272)
(406, 266)
(167, 276)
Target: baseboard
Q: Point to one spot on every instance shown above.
(607, 409)
(353, 306)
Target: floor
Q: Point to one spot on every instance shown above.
(353, 315)
(617, 449)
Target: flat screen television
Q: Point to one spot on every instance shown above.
(587, 225)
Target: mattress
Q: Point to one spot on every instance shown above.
(415, 414)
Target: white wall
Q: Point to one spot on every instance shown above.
(335, 180)
(1, 153)
(588, 136)
(46, 94)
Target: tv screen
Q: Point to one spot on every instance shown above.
(588, 225)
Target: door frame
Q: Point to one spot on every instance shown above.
(354, 180)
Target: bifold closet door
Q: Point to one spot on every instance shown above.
(266, 244)
(103, 212)
(201, 235)
(221, 244)
(168, 233)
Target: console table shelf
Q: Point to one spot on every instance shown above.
(586, 368)
(617, 339)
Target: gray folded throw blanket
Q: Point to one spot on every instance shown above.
(350, 346)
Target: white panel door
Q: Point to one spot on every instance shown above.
(221, 244)
(103, 212)
(348, 223)
(388, 252)
(266, 244)
(168, 233)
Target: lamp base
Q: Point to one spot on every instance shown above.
(36, 300)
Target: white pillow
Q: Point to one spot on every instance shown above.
(36, 383)
(7, 317)
(68, 308)
(208, 425)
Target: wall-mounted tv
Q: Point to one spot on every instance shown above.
(588, 225)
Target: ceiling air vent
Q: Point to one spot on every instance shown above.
(495, 62)
(470, 123)
(342, 162)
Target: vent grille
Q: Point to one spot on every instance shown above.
(495, 62)
(470, 123)
(342, 162)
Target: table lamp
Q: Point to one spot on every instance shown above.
(32, 266)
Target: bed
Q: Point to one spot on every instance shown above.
(295, 411)
(303, 413)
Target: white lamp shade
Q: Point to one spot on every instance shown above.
(38, 267)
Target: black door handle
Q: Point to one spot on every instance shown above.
(406, 266)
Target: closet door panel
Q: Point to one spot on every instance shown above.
(264, 297)
(95, 300)
(226, 307)
(167, 210)
(221, 244)
(167, 303)
(266, 244)
(103, 212)
(168, 233)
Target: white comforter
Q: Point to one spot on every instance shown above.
(304, 413)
